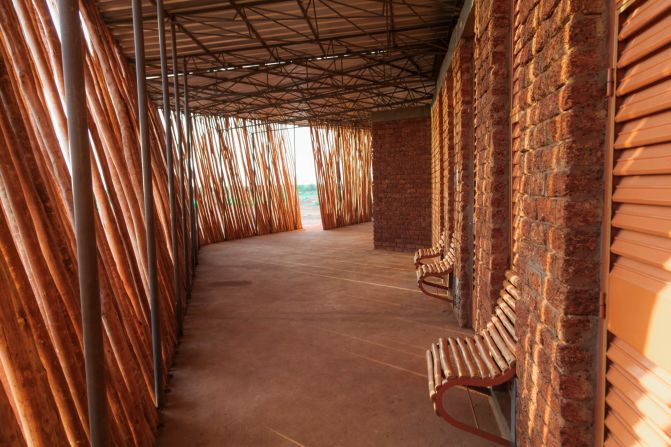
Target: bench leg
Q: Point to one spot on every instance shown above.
(445, 297)
(440, 409)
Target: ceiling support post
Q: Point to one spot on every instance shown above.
(160, 14)
(138, 37)
(193, 221)
(84, 218)
(180, 151)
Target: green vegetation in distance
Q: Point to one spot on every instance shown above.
(307, 195)
(307, 188)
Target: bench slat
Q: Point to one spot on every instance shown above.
(509, 341)
(458, 361)
(508, 299)
(463, 351)
(500, 344)
(486, 357)
(479, 363)
(438, 378)
(508, 311)
(513, 278)
(448, 369)
(510, 327)
(494, 351)
(429, 373)
(511, 289)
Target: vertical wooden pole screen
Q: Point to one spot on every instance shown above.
(343, 164)
(244, 179)
(239, 174)
(42, 380)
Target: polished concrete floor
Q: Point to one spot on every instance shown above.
(310, 338)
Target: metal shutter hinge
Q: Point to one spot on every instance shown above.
(610, 82)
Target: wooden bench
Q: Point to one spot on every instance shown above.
(434, 275)
(485, 359)
(432, 252)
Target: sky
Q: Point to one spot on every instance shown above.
(305, 165)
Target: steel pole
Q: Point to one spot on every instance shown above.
(84, 217)
(138, 37)
(160, 14)
(297, 211)
(180, 151)
(189, 161)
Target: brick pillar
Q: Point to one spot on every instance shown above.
(462, 88)
(492, 155)
(448, 153)
(437, 186)
(402, 179)
(560, 60)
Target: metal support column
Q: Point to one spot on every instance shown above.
(85, 229)
(138, 36)
(190, 179)
(180, 151)
(298, 203)
(160, 14)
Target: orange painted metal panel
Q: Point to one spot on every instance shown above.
(650, 129)
(654, 99)
(638, 298)
(645, 42)
(639, 305)
(644, 72)
(645, 160)
(639, 398)
(647, 249)
(655, 220)
(642, 16)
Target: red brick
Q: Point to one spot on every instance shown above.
(402, 183)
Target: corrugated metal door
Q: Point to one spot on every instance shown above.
(638, 299)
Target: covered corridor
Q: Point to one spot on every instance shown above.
(159, 285)
(310, 338)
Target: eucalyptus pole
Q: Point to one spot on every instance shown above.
(138, 37)
(84, 216)
(160, 14)
(180, 151)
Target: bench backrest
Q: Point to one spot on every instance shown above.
(450, 253)
(500, 331)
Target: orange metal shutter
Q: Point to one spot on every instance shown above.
(638, 303)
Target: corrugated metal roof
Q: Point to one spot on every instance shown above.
(297, 60)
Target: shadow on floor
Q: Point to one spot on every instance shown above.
(310, 338)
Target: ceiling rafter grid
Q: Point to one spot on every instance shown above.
(296, 61)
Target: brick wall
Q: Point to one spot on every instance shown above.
(558, 117)
(560, 66)
(402, 180)
(492, 154)
(462, 90)
(448, 154)
(437, 202)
